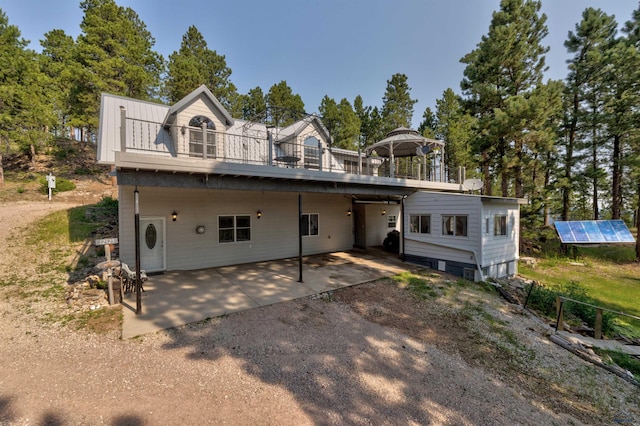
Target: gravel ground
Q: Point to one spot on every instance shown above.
(368, 355)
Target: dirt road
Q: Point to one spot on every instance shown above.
(310, 361)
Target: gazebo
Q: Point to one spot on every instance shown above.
(404, 142)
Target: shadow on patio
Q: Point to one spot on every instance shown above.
(181, 297)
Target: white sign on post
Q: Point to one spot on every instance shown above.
(51, 183)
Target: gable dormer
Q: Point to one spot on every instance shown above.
(197, 124)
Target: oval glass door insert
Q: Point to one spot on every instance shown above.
(150, 236)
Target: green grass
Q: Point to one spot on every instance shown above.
(606, 276)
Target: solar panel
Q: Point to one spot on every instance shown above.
(593, 231)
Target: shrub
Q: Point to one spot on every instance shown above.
(62, 185)
(543, 299)
(108, 205)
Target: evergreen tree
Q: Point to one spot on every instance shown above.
(455, 128)
(25, 112)
(370, 123)
(115, 55)
(193, 65)
(503, 83)
(57, 62)
(429, 124)
(632, 32)
(284, 107)
(341, 121)
(593, 36)
(254, 105)
(397, 105)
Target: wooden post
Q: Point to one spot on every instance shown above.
(597, 332)
(559, 314)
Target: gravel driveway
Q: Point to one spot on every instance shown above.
(309, 361)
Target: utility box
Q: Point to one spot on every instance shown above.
(51, 181)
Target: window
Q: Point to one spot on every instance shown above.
(391, 221)
(234, 228)
(311, 153)
(310, 224)
(420, 224)
(454, 225)
(351, 166)
(500, 224)
(196, 126)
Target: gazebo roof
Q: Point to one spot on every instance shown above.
(404, 142)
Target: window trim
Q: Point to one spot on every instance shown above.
(317, 230)
(419, 229)
(235, 228)
(454, 219)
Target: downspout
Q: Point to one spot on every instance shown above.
(402, 255)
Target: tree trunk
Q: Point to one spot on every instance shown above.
(568, 161)
(616, 179)
(594, 165)
(32, 148)
(518, 170)
(487, 174)
(547, 181)
(1, 172)
(638, 224)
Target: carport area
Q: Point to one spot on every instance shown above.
(181, 297)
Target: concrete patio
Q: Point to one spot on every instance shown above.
(181, 297)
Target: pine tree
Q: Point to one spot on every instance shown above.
(455, 128)
(370, 123)
(592, 37)
(397, 105)
(57, 62)
(193, 65)
(429, 124)
(115, 55)
(25, 112)
(284, 106)
(503, 84)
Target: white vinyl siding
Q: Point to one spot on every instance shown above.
(378, 223)
(273, 236)
(437, 244)
(498, 249)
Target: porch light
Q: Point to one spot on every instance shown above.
(174, 216)
(383, 212)
(349, 212)
(259, 214)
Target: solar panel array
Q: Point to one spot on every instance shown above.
(594, 232)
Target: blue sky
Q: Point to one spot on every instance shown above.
(339, 48)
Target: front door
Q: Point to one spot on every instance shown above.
(360, 225)
(152, 250)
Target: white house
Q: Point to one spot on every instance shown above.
(471, 236)
(213, 190)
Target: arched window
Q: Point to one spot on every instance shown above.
(198, 126)
(311, 153)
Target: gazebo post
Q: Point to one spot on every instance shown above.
(392, 163)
